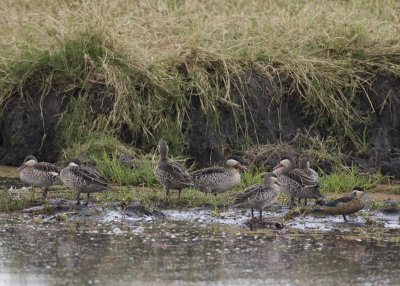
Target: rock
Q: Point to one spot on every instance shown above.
(257, 223)
(136, 209)
(390, 207)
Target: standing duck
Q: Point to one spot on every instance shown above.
(38, 174)
(295, 182)
(346, 205)
(83, 179)
(305, 166)
(218, 179)
(171, 175)
(258, 196)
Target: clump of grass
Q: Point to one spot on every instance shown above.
(318, 151)
(345, 179)
(9, 201)
(141, 173)
(137, 65)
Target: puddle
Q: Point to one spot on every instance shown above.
(35, 252)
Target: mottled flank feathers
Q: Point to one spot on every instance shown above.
(39, 174)
(171, 175)
(295, 182)
(83, 179)
(258, 196)
(217, 179)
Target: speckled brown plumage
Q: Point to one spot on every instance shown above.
(346, 205)
(258, 196)
(39, 174)
(305, 167)
(217, 179)
(83, 179)
(295, 182)
(171, 175)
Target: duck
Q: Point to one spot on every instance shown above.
(218, 179)
(38, 174)
(171, 175)
(83, 179)
(258, 196)
(346, 205)
(295, 182)
(305, 166)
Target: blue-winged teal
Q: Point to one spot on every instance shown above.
(295, 182)
(83, 179)
(346, 205)
(218, 179)
(171, 175)
(258, 196)
(38, 174)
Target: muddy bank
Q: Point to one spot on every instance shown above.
(278, 217)
(264, 120)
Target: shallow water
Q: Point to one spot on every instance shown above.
(35, 252)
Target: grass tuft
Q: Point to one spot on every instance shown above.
(132, 68)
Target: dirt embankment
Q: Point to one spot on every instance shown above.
(29, 124)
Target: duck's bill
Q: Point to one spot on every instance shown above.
(367, 196)
(241, 167)
(22, 167)
(279, 184)
(277, 166)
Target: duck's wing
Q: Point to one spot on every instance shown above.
(313, 174)
(339, 200)
(46, 167)
(208, 171)
(247, 194)
(89, 175)
(177, 171)
(301, 177)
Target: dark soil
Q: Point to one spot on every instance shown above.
(264, 120)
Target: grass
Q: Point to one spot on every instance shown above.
(129, 72)
(347, 178)
(153, 195)
(132, 68)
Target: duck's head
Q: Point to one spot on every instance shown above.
(231, 163)
(304, 163)
(286, 162)
(163, 148)
(270, 179)
(29, 161)
(359, 192)
(74, 162)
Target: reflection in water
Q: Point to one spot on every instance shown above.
(39, 253)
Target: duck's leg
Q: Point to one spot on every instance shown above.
(45, 190)
(179, 194)
(345, 218)
(166, 192)
(78, 199)
(252, 212)
(291, 202)
(215, 194)
(305, 201)
(260, 213)
(87, 202)
(299, 201)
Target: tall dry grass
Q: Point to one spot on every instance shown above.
(151, 55)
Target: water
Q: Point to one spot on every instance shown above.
(36, 252)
